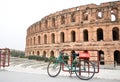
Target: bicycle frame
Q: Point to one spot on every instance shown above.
(64, 64)
(84, 68)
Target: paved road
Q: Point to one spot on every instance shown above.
(31, 69)
(6, 76)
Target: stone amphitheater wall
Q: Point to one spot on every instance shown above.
(91, 27)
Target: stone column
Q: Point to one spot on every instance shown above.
(77, 35)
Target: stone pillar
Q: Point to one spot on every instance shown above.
(90, 34)
(77, 35)
(106, 14)
(77, 16)
(66, 35)
(81, 35)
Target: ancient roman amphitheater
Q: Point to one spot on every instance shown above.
(91, 27)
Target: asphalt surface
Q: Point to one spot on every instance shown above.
(7, 76)
(23, 70)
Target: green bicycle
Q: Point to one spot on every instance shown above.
(83, 68)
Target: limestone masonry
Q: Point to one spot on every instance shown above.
(90, 27)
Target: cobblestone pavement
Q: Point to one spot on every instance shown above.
(39, 67)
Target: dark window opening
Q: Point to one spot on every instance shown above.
(62, 37)
(99, 34)
(52, 54)
(115, 33)
(73, 35)
(45, 39)
(62, 20)
(117, 57)
(46, 23)
(85, 16)
(38, 53)
(38, 39)
(53, 22)
(53, 38)
(34, 40)
(85, 35)
(101, 57)
(73, 18)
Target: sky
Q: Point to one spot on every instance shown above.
(17, 15)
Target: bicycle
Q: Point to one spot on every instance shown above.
(83, 68)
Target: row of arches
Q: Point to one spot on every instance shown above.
(99, 33)
(116, 56)
(55, 21)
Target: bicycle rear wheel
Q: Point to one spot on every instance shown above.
(54, 68)
(85, 69)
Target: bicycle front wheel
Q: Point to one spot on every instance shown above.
(54, 68)
(85, 69)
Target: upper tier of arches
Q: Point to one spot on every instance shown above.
(87, 14)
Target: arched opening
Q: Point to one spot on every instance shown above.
(52, 54)
(99, 34)
(53, 22)
(44, 54)
(115, 33)
(85, 15)
(101, 57)
(38, 39)
(113, 17)
(34, 40)
(73, 18)
(46, 23)
(38, 53)
(99, 14)
(31, 41)
(114, 13)
(45, 39)
(62, 37)
(73, 34)
(62, 19)
(85, 35)
(33, 53)
(52, 38)
(117, 57)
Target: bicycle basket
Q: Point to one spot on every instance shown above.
(84, 55)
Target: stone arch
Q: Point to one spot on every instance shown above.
(31, 41)
(34, 40)
(73, 19)
(62, 19)
(73, 36)
(115, 33)
(46, 23)
(101, 57)
(52, 53)
(99, 14)
(39, 38)
(45, 39)
(62, 37)
(99, 34)
(52, 38)
(44, 54)
(53, 22)
(116, 57)
(38, 53)
(85, 15)
(114, 14)
(85, 35)
(33, 53)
